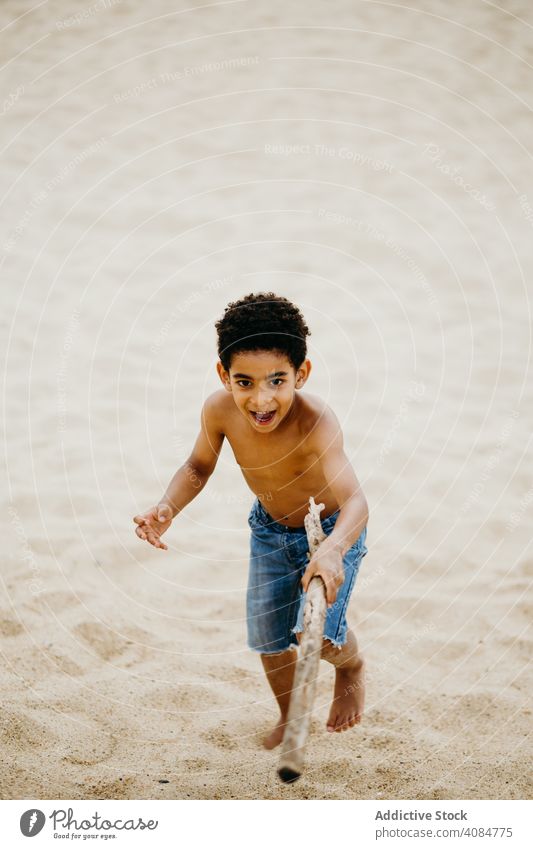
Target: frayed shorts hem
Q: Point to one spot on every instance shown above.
(338, 644)
(273, 651)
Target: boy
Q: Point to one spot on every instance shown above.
(289, 446)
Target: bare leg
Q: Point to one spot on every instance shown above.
(349, 694)
(348, 698)
(279, 669)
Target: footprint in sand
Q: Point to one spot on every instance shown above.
(383, 741)
(195, 764)
(40, 663)
(103, 640)
(120, 788)
(10, 628)
(84, 741)
(183, 698)
(23, 732)
(61, 664)
(219, 739)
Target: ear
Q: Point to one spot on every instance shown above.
(224, 376)
(303, 373)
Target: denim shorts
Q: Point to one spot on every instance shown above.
(275, 599)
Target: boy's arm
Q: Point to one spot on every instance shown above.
(193, 475)
(188, 481)
(353, 517)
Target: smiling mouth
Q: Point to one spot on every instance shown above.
(263, 418)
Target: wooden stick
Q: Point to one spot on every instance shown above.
(305, 676)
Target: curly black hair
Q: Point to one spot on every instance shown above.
(262, 322)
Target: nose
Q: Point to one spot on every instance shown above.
(262, 398)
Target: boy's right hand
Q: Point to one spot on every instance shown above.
(153, 523)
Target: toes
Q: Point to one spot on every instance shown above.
(331, 725)
(347, 723)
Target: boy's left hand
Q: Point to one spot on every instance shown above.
(328, 565)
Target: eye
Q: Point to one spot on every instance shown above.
(277, 381)
(244, 383)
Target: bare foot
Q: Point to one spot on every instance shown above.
(348, 698)
(276, 735)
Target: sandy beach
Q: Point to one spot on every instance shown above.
(371, 162)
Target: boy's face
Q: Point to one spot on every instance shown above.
(263, 384)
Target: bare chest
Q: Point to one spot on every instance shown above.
(273, 459)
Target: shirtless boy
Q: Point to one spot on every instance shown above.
(289, 446)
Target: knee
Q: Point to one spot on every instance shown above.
(329, 651)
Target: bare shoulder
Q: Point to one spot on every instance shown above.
(217, 407)
(320, 423)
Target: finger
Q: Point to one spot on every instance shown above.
(156, 542)
(306, 577)
(139, 520)
(140, 533)
(143, 521)
(331, 592)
